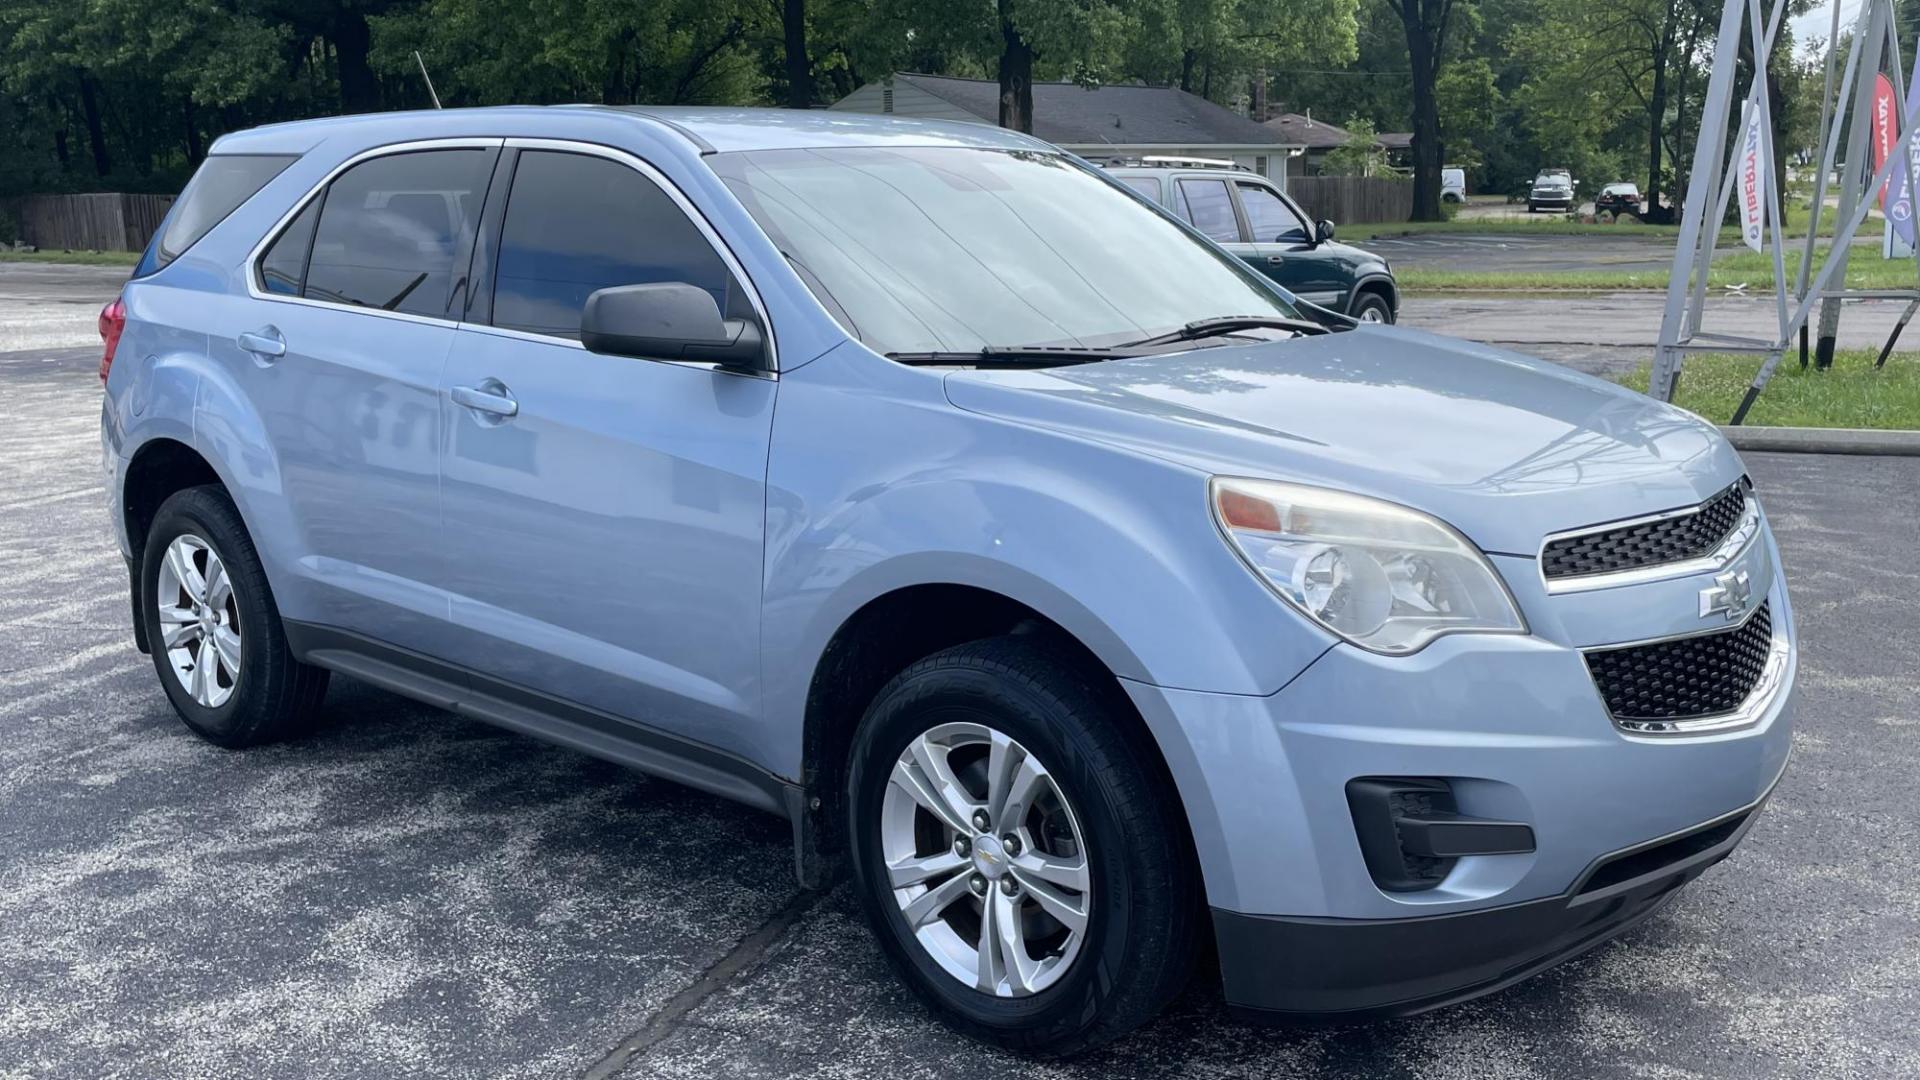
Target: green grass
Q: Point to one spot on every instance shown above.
(84, 258)
(1551, 224)
(1865, 270)
(1850, 395)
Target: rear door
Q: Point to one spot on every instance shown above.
(604, 515)
(1206, 203)
(1283, 247)
(341, 350)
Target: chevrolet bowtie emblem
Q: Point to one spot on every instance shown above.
(1731, 595)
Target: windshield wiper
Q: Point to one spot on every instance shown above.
(1226, 324)
(1016, 355)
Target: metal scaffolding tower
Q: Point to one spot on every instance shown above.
(1875, 49)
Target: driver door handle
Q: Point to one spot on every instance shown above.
(490, 397)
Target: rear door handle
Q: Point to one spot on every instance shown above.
(1275, 260)
(265, 342)
(490, 397)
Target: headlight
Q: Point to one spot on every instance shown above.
(1383, 576)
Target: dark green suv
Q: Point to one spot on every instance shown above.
(1250, 216)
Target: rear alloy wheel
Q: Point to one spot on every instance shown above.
(217, 642)
(1018, 846)
(199, 620)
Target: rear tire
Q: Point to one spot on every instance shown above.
(214, 631)
(1021, 700)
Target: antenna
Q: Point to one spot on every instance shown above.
(423, 74)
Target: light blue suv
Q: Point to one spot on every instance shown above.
(915, 482)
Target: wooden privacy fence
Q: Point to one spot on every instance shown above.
(97, 222)
(1353, 200)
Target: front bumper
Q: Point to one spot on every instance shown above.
(1515, 728)
(1278, 968)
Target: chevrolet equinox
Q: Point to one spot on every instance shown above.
(1029, 553)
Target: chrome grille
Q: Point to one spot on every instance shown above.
(1652, 542)
(1684, 678)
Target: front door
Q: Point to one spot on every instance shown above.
(1285, 250)
(604, 516)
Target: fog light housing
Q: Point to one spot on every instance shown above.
(1412, 833)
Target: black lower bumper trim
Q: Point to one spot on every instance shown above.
(1318, 969)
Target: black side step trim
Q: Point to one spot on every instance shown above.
(551, 719)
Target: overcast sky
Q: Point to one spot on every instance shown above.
(1819, 20)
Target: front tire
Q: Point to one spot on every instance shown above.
(214, 632)
(1018, 854)
(1371, 307)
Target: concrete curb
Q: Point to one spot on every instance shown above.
(1804, 440)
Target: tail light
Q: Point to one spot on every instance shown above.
(113, 320)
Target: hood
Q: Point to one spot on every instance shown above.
(1504, 447)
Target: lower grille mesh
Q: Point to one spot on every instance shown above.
(1685, 678)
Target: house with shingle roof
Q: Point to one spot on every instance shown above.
(1098, 123)
(1317, 138)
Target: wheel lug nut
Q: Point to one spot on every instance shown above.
(1011, 843)
(1009, 886)
(981, 821)
(961, 848)
(978, 883)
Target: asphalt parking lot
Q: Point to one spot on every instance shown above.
(406, 893)
(1508, 251)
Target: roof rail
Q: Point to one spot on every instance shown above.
(1177, 161)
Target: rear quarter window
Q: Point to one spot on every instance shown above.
(222, 183)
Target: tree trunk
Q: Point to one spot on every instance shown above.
(1650, 207)
(1187, 61)
(615, 84)
(1016, 75)
(96, 130)
(799, 64)
(1425, 23)
(1424, 64)
(195, 148)
(352, 41)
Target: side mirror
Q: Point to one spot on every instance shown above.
(669, 321)
(1322, 231)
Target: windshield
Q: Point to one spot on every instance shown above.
(939, 249)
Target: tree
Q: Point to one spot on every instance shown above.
(1425, 23)
(1360, 155)
(1015, 39)
(616, 52)
(1214, 47)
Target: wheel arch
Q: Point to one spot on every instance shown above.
(1381, 284)
(890, 631)
(158, 468)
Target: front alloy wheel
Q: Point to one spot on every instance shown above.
(1018, 847)
(986, 859)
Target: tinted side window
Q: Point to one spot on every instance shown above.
(576, 223)
(391, 227)
(1207, 205)
(1271, 219)
(223, 182)
(283, 269)
(1145, 185)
